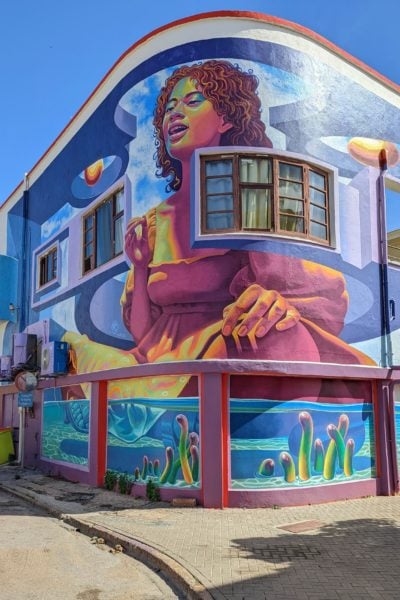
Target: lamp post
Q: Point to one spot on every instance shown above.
(380, 154)
(387, 353)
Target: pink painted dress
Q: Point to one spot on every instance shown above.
(189, 289)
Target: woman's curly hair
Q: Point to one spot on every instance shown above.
(232, 93)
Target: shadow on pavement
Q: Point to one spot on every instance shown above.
(349, 559)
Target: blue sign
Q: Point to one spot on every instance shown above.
(25, 399)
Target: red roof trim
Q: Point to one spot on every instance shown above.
(240, 14)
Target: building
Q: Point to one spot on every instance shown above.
(209, 236)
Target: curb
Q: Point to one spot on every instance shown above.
(185, 582)
(174, 571)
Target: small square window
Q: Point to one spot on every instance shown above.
(48, 267)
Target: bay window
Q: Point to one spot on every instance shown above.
(261, 193)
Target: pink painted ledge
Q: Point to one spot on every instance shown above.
(232, 367)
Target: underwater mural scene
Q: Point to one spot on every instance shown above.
(155, 438)
(65, 428)
(301, 441)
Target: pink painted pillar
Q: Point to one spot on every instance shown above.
(98, 433)
(386, 440)
(213, 415)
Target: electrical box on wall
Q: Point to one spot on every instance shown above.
(54, 358)
(5, 367)
(24, 351)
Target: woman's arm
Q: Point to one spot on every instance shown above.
(317, 291)
(275, 291)
(135, 302)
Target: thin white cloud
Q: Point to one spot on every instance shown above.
(57, 221)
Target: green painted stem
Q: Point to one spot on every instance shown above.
(332, 452)
(305, 445)
(348, 458)
(288, 467)
(183, 441)
(319, 456)
(335, 434)
(343, 425)
(169, 459)
(174, 471)
(145, 467)
(194, 451)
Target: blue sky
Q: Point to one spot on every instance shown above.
(52, 55)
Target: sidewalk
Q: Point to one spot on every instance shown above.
(346, 550)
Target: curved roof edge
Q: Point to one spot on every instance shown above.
(241, 14)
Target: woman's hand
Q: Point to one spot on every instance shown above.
(137, 243)
(256, 311)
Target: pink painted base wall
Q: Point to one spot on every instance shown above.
(301, 497)
(215, 467)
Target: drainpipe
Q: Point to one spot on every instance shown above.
(387, 355)
(24, 266)
(387, 440)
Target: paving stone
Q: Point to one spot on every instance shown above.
(347, 550)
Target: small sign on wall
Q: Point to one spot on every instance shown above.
(25, 400)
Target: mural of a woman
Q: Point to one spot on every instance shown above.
(184, 303)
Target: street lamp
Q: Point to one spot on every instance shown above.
(380, 154)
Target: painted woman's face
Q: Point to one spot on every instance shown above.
(190, 121)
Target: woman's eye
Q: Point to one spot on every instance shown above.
(169, 107)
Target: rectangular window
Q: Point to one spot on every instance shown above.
(48, 267)
(103, 232)
(251, 192)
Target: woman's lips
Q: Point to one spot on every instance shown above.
(177, 131)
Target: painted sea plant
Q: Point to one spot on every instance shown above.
(184, 460)
(313, 458)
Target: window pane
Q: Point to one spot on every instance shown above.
(255, 170)
(219, 203)
(49, 275)
(317, 214)
(293, 190)
(220, 221)
(317, 197)
(294, 224)
(87, 264)
(292, 172)
(118, 236)
(218, 167)
(219, 185)
(88, 236)
(317, 180)
(292, 207)
(42, 277)
(54, 273)
(319, 231)
(103, 233)
(119, 201)
(256, 209)
(88, 250)
(89, 222)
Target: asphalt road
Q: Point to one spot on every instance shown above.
(42, 559)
